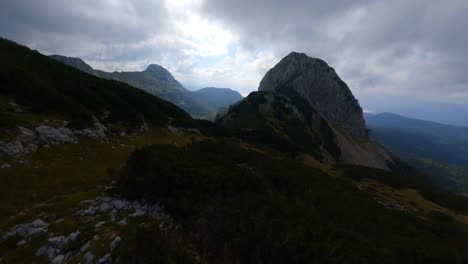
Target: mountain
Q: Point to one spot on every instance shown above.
(437, 149)
(428, 128)
(45, 86)
(109, 173)
(217, 98)
(284, 184)
(319, 84)
(158, 81)
(302, 103)
(76, 63)
(155, 80)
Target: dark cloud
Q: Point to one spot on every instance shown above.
(417, 47)
(85, 28)
(384, 50)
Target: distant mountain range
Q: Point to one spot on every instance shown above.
(287, 175)
(217, 98)
(437, 149)
(159, 81)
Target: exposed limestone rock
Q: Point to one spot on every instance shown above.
(303, 102)
(29, 140)
(88, 257)
(28, 230)
(319, 84)
(5, 166)
(27, 136)
(99, 130)
(115, 243)
(54, 247)
(144, 127)
(183, 130)
(53, 136)
(363, 153)
(11, 149)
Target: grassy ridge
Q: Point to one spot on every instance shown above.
(48, 86)
(239, 206)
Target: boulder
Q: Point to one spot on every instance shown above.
(27, 230)
(50, 135)
(5, 166)
(99, 130)
(11, 149)
(27, 136)
(183, 130)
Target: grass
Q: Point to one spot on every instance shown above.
(73, 171)
(55, 180)
(241, 206)
(47, 86)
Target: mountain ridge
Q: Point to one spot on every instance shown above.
(437, 149)
(286, 105)
(217, 98)
(265, 187)
(158, 81)
(321, 86)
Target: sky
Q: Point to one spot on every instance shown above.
(406, 57)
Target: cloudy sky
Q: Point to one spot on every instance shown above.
(407, 57)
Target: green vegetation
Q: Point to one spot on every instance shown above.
(284, 121)
(239, 206)
(48, 86)
(243, 192)
(455, 202)
(159, 82)
(52, 184)
(68, 169)
(438, 150)
(147, 243)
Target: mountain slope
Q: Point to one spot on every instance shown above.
(75, 63)
(319, 84)
(217, 98)
(240, 205)
(155, 80)
(272, 191)
(174, 195)
(437, 149)
(428, 128)
(286, 107)
(44, 85)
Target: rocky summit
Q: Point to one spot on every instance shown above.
(302, 102)
(320, 85)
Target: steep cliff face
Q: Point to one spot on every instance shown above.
(303, 103)
(320, 85)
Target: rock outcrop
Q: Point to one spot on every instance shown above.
(98, 130)
(29, 140)
(320, 85)
(303, 105)
(54, 136)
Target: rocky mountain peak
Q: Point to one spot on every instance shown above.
(160, 71)
(318, 83)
